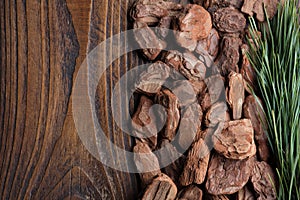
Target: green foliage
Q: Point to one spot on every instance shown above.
(276, 59)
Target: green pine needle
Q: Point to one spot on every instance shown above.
(276, 59)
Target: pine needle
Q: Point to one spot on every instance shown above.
(276, 59)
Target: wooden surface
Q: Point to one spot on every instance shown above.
(42, 46)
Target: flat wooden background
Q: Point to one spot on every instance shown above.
(42, 46)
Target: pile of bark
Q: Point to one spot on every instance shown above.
(229, 155)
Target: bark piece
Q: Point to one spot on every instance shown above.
(245, 194)
(193, 68)
(263, 180)
(257, 6)
(247, 71)
(192, 25)
(145, 161)
(184, 91)
(144, 122)
(174, 169)
(162, 187)
(215, 197)
(254, 112)
(226, 176)
(198, 86)
(236, 94)
(205, 101)
(229, 20)
(229, 56)
(271, 9)
(236, 141)
(248, 7)
(216, 114)
(195, 167)
(167, 99)
(215, 86)
(164, 26)
(147, 40)
(150, 81)
(209, 45)
(190, 193)
(150, 12)
(190, 125)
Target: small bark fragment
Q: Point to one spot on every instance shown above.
(147, 40)
(254, 112)
(236, 94)
(209, 45)
(193, 68)
(226, 176)
(247, 71)
(263, 180)
(198, 86)
(214, 197)
(196, 165)
(162, 187)
(173, 59)
(271, 9)
(215, 86)
(216, 114)
(229, 56)
(245, 194)
(150, 81)
(145, 161)
(174, 169)
(184, 91)
(144, 122)
(190, 125)
(236, 141)
(205, 101)
(167, 99)
(191, 192)
(257, 6)
(229, 20)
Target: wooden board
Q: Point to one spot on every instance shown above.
(42, 46)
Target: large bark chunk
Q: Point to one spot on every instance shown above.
(236, 141)
(227, 176)
(190, 193)
(263, 180)
(236, 94)
(192, 25)
(167, 99)
(254, 112)
(196, 165)
(150, 81)
(145, 161)
(162, 187)
(144, 122)
(229, 20)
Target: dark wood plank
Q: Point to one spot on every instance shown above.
(42, 45)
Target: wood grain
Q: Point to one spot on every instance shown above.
(42, 46)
